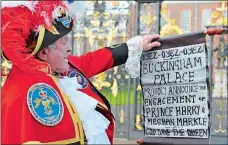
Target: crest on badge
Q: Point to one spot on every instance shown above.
(45, 104)
(80, 78)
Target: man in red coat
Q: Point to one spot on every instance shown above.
(47, 97)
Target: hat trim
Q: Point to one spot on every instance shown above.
(39, 41)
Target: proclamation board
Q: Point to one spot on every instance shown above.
(175, 85)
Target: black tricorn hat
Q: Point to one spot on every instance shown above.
(47, 36)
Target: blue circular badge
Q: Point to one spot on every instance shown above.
(45, 104)
(81, 79)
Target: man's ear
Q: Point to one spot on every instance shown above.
(43, 54)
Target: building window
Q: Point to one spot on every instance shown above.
(185, 20)
(206, 15)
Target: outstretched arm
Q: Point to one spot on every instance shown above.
(100, 60)
(105, 58)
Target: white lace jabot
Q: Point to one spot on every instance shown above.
(94, 123)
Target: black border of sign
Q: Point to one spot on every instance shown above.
(181, 41)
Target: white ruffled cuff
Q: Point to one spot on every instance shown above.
(135, 49)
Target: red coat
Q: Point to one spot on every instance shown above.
(18, 124)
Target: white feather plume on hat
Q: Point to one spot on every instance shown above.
(78, 9)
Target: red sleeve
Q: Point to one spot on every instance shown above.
(100, 60)
(93, 63)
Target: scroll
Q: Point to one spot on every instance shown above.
(175, 85)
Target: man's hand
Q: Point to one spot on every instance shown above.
(148, 41)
